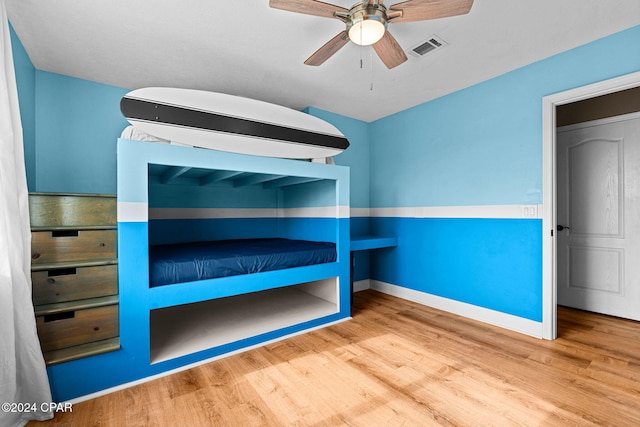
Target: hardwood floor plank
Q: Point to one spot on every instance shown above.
(398, 363)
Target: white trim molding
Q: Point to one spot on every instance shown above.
(361, 285)
(548, 208)
(315, 212)
(133, 212)
(360, 212)
(138, 212)
(481, 314)
(210, 213)
(221, 213)
(487, 211)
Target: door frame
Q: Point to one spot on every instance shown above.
(549, 186)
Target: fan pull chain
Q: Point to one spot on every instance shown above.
(371, 65)
(361, 66)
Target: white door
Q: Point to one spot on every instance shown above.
(598, 178)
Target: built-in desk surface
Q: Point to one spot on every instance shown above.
(363, 243)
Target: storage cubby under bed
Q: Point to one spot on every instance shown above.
(190, 328)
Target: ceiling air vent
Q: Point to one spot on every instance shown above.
(431, 44)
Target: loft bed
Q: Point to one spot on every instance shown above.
(182, 200)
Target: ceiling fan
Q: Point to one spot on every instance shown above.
(367, 23)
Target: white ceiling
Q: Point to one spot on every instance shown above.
(246, 48)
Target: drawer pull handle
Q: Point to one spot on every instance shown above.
(102, 244)
(61, 272)
(59, 316)
(64, 233)
(35, 255)
(96, 329)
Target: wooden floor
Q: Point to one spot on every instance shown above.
(399, 363)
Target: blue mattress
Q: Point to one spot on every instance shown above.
(186, 262)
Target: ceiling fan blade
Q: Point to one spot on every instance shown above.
(421, 10)
(327, 51)
(308, 7)
(389, 51)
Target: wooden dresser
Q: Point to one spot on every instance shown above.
(75, 274)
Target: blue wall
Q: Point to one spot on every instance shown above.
(479, 146)
(26, 82)
(356, 156)
(483, 145)
(491, 263)
(77, 125)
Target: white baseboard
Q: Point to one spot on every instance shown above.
(485, 315)
(361, 285)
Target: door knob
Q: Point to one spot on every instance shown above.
(562, 227)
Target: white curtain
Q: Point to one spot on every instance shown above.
(24, 386)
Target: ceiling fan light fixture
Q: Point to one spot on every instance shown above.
(366, 31)
(366, 22)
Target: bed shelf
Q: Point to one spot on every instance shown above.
(186, 329)
(183, 175)
(222, 287)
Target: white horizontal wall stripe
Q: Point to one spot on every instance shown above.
(490, 211)
(138, 212)
(132, 212)
(209, 213)
(481, 314)
(320, 212)
(360, 212)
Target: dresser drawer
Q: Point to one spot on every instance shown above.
(71, 210)
(70, 328)
(72, 245)
(75, 283)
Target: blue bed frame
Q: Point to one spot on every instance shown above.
(316, 208)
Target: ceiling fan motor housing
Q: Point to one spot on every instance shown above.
(366, 23)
